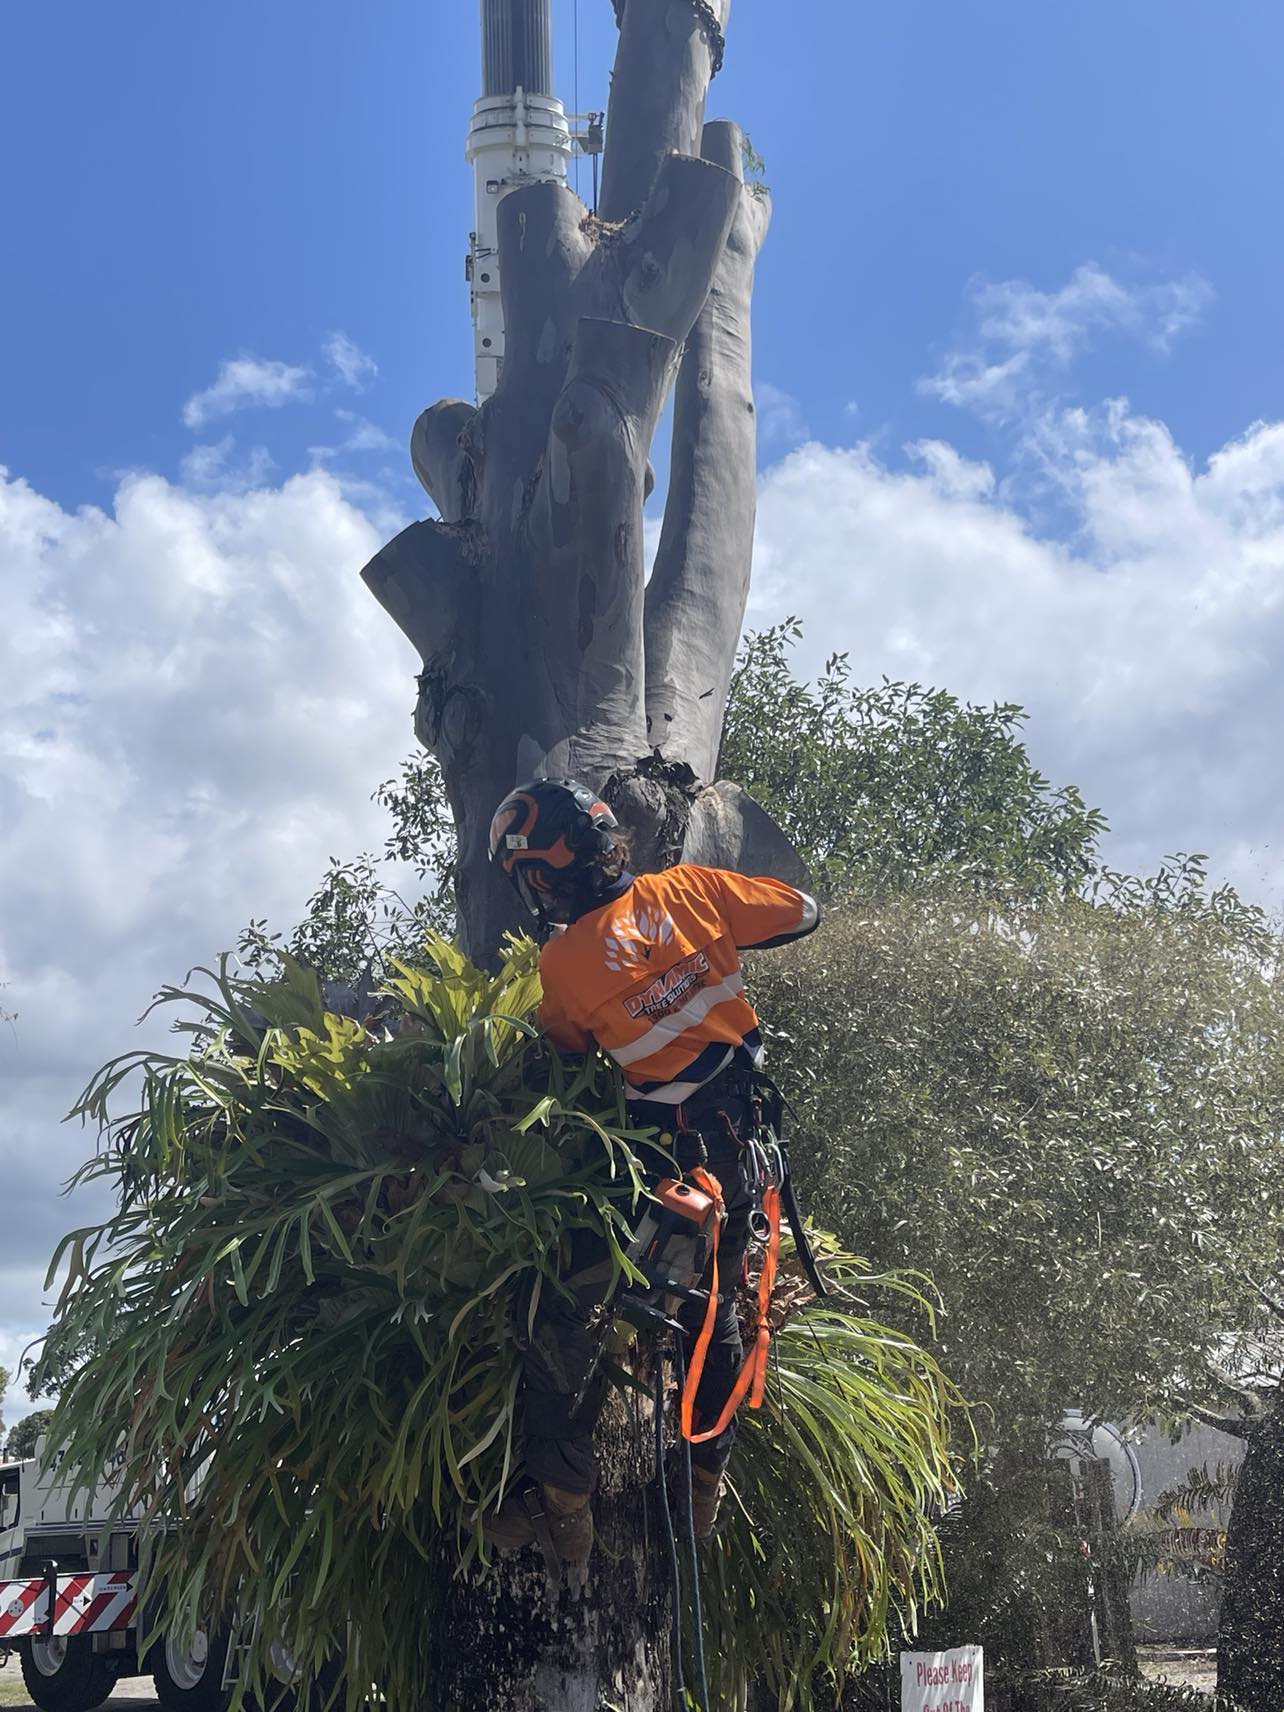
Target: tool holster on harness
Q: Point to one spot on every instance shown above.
(736, 1123)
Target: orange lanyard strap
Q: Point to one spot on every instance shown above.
(752, 1379)
(711, 1186)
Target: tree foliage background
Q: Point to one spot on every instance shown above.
(1052, 1087)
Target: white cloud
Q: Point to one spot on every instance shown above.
(197, 696)
(780, 419)
(246, 381)
(1148, 653)
(368, 437)
(354, 367)
(361, 436)
(952, 474)
(14, 1340)
(1023, 337)
(213, 468)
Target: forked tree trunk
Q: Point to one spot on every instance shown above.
(545, 653)
(542, 651)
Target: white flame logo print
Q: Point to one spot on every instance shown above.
(630, 948)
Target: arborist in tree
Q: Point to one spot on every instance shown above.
(647, 967)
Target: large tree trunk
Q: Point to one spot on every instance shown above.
(544, 653)
(513, 1642)
(1250, 1639)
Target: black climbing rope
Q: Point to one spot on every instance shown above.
(693, 1550)
(666, 1520)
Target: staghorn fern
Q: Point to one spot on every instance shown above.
(305, 1356)
(830, 1542)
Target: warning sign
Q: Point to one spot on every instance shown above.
(943, 1682)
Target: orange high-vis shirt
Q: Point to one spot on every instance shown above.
(654, 975)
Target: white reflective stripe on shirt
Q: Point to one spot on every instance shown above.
(673, 1093)
(810, 914)
(666, 1032)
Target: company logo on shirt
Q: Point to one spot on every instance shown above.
(670, 990)
(636, 937)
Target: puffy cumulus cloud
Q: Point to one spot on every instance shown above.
(1023, 336)
(245, 381)
(1145, 642)
(197, 696)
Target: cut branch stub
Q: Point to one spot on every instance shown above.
(658, 90)
(425, 580)
(696, 597)
(442, 461)
(543, 249)
(655, 272)
(728, 829)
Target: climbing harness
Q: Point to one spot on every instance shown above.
(675, 1260)
(677, 1242)
(767, 1170)
(752, 1379)
(675, 1249)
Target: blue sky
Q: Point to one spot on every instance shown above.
(190, 182)
(1020, 385)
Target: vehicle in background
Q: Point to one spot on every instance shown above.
(68, 1605)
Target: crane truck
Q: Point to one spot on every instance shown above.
(68, 1602)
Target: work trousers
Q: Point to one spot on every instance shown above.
(566, 1335)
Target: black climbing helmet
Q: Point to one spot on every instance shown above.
(546, 832)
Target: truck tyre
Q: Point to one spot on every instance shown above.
(189, 1675)
(281, 1692)
(65, 1674)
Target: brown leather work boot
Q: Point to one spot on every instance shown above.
(544, 1516)
(706, 1495)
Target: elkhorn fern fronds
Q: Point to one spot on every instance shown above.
(306, 1317)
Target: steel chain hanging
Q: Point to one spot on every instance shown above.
(710, 29)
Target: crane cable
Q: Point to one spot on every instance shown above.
(576, 81)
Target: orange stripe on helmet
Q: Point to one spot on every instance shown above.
(510, 821)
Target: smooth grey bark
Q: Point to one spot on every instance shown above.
(695, 601)
(543, 652)
(657, 96)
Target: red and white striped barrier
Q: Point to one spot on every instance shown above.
(87, 1605)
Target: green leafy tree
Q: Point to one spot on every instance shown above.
(358, 916)
(878, 787)
(62, 1351)
(25, 1434)
(1066, 1111)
